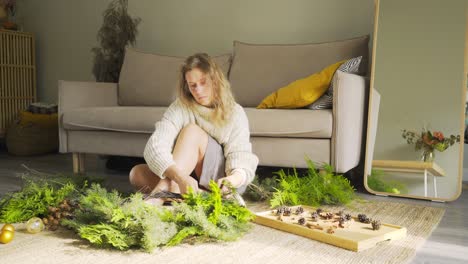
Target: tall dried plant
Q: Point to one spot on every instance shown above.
(117, 31)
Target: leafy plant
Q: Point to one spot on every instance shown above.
(33, 200)
(208, 216)
(117, 30)
(261, 190)
(39, 191)
(315, 188)
(375, 182)
(108, 220)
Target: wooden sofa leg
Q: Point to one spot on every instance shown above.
(78, 163)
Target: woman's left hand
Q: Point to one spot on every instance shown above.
(235, 180)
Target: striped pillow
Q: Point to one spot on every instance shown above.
(326, 100)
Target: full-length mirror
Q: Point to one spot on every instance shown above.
(417, 100)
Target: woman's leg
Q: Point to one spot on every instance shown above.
(190, 148)
(144, 180)
(189, 152)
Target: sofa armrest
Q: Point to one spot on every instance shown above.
(349, 95)
(73, 95)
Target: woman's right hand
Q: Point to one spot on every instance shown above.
(184, 181)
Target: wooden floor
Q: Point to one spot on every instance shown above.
(448, 243)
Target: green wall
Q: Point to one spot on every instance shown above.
(66, 29)
(419, 71)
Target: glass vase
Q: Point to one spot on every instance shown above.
(427, 155)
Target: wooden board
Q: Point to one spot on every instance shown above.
(356, 236)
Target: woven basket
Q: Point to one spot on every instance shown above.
(32, 134)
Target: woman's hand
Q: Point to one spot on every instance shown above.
(234, 180)
(184, 181)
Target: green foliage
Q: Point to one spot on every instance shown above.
(32, 200)
(39, 191)
(108, 220)
(205, 216)
(102, 234)
(315, 188)
(376, 182)
(261, 190)
(184, 233)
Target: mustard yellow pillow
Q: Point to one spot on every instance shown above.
(301, 92)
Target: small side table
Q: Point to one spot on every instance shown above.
(412, 166)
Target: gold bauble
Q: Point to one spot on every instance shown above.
(34, 225)
(9, 227)
(6, 236)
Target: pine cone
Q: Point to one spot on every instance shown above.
(287, 211)
(348, 217)
(319, 210)
(376, 224)
(364, 219)
(301, 221)
(328, 216)
(280, 210)
(314, 216)
(299, 210)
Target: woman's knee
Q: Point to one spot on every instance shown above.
(196, 134)
(192, 129)
(136, 174)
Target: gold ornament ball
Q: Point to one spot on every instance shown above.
(6, 236)
(34, 225)
(9, 227)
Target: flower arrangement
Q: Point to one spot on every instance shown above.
(428, 141)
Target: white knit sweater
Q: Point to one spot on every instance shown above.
(234, 137)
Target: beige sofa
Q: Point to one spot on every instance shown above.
(118, 118)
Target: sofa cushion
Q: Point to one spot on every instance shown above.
(301, 92)
(298, 123)
(258, 70)
(151, 79)
(134, 119)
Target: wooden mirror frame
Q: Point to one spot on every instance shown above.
(368, 159)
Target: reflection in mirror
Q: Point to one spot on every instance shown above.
(417, 100)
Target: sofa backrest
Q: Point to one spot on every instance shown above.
(258, 69)
(148, 79)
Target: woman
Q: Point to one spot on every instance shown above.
(203, 135)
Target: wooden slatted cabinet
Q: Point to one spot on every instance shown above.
(17, 75)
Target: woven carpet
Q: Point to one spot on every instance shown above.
(260, 245)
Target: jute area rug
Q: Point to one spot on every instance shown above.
(260, 245)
